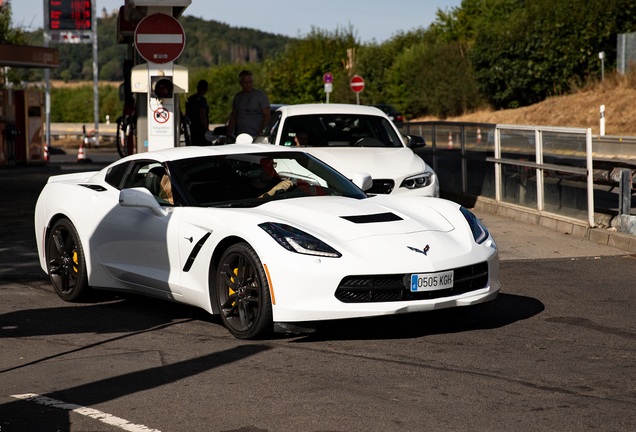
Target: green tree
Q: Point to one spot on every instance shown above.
(540, 48)
(296, 76)
(75, 105)
(374, 62)
(433, 79)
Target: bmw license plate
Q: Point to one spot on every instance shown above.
(432, 281)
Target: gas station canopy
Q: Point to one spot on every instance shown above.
(27, 56)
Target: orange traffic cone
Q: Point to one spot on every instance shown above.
(478, 135)
(81, 156)
(450, 140)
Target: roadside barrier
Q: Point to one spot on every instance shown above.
(548, 171)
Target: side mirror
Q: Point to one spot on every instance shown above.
(415, 141)
(363, 181)
(140, 197)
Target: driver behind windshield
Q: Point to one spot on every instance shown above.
(269, 177)
(302, 138)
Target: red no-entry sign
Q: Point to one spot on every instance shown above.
(356, 83)
(159, 38)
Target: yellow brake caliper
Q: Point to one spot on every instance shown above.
(232, 280)
(75, 261)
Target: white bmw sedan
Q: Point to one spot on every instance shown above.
(355, 139)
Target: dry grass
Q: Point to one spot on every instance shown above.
(581, 108)
(75, 84)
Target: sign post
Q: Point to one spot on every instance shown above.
(328, 80)
(71, 21)
(357, 85)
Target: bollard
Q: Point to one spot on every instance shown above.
(625, 199)
(602, 124)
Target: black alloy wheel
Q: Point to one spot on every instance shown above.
(66, 263)
(243, 293)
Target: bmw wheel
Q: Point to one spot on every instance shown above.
(243, 293)
(67, 266)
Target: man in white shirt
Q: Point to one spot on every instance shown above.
(250, 108)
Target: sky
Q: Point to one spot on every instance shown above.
(371, 19)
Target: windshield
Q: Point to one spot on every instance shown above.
(339, 130)
(249, 180)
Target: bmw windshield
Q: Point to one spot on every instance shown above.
(339, 130)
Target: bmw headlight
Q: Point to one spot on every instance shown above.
(418, 181)
(295, 240)
(480, 233)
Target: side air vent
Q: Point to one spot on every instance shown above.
(380, 217)
(95, 187)
(195, 251)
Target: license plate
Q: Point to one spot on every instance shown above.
(432, 281)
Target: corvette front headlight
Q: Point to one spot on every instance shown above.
(480, 233)
(417, 181)
(295, 240)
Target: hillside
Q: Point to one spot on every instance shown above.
(579, 109)
(209, 43)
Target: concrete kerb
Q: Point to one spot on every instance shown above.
(578, 229)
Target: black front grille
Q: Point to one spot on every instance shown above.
(388, 288)
(381, 187)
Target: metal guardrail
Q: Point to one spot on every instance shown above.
(552, 170)
(75, 129)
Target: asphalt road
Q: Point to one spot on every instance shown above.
(556, 352)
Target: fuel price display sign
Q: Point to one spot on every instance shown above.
(69, 21)
(70, 14)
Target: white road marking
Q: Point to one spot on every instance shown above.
(89, 412)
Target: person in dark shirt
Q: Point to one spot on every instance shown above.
(197, 110)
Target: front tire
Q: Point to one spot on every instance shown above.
(66, 262)
(243, 293)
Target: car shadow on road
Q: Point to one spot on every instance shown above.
(50, 412)
(103, 313)
(506, 309)
(109, 312)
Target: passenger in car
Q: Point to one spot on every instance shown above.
(166, 189)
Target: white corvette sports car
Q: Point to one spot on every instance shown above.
(270, 238)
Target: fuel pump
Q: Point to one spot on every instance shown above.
(159, 39)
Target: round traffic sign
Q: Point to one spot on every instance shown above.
(356, 83)
(327, 78)
(159, 38)
(161, 115)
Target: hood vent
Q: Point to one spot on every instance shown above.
(380, 217)
(95, 187)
